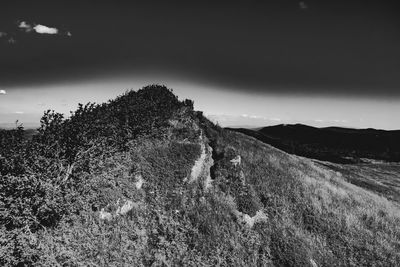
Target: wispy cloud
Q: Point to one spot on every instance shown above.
(259, 117)
(243, 120)
(25, 26)
(19, 112)
(3, 92)
(303, 5)
(11, 40)
(7, 38)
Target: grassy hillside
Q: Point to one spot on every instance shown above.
(146, 181)
(382, 178)
(313, 211)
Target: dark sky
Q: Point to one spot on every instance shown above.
(349, 47)
(299, 48)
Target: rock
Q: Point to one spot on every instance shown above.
(139, 181)
(236, 161)
(250, 221)
(199, 164)
(313, 263)
(121, 210)
(202, 165)
(124, 209)
(105, 215)
(209, 162)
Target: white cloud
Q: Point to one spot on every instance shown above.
(45, 30)
(19, 112)
(39, 28)
(3, 92)
(25, 26)
(69, 34)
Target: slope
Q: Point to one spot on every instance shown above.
(146, 181)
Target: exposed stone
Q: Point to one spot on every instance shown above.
(198, 165)
(250, 221)
(121, 210)
(313, 263)
(139, 181)
(236, 161)
(203, 164)
(124, 209)
(105, 215)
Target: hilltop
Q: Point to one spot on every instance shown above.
(334, 144)
(144, 180)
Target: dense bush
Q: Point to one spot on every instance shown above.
(11, 146)
(41, 179)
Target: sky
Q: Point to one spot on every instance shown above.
(244, 63)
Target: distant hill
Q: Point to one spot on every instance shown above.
(144, 180)
(30, 129)
(335, 144)
(9, 126)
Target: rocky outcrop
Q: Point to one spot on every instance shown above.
(105, 216)
(198, 166)
(236, 161)
(202, 166)
(250, 221)
(139, 181)
(121, 210)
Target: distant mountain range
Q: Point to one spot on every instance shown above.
(334, 144)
